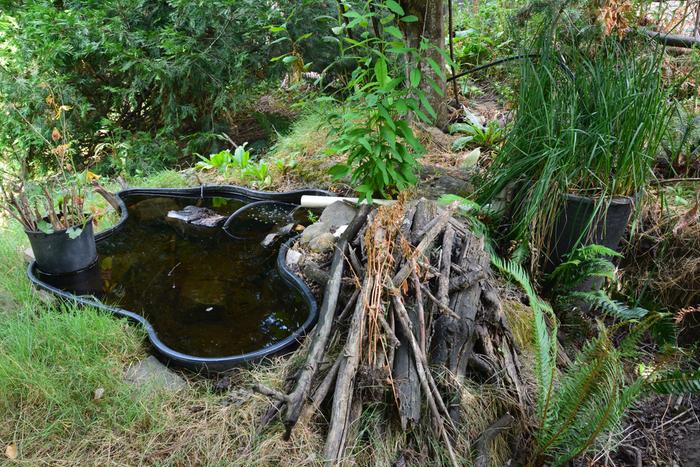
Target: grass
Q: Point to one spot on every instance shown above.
(303, 150)
(54, 356)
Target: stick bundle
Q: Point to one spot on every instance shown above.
(424, 318)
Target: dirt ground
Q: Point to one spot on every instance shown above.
(660, 431)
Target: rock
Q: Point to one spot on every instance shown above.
(322, 243)
(28, 255)
(153, 375)
(337, 214)
(293, 257)
(339, 231)
(313, 231)
(471, 159)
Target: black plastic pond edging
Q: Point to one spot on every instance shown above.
(193, 362)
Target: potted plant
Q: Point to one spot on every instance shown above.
(59, 230)
(581, 151)
(52, 212)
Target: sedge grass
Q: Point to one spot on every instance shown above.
(588, 122)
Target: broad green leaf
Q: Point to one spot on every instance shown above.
(45, 227)
(415, 77)
(465, 128)
(461, 142)
(427, 106)
(388, 134)
(74, 232)
(436, 68)
(380, 71)
(433, 84)
(394, 31)
(339, 170)
(395, 7)
(290, 59)
(409, 19)
(279, 39)
(386, 117)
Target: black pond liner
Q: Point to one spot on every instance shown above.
(193, 362)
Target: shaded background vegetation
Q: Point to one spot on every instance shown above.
(147, 81)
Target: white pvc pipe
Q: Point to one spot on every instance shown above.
(311, 201)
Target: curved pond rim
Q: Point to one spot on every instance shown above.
(193, 362)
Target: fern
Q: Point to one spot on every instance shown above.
(676, 382)
(609, 306)
(588, 401)
(590, 396)
(545, 345)
(583, 263)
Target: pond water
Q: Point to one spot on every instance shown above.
(205, 292)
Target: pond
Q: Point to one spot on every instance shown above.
(211, 297)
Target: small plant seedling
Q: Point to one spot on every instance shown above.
(483, 135)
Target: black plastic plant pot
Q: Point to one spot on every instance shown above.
(57, 253)
(587, 221)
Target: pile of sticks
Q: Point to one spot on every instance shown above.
(410, 302)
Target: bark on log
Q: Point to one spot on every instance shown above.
(345, 382)
(299, 395)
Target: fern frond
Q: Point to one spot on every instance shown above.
(582, 264)
(545, 345)
(595, 250)
(609, 306)
(677, 382)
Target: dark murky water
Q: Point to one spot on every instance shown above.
(205, 293)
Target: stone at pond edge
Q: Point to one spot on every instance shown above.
(151, 374)
(337, 214)
(28, 255)
(313, 231)
(293, 257)
(322, 243)
(471, 159)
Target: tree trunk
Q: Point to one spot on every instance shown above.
(431, 26)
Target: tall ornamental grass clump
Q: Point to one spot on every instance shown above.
(589, 121)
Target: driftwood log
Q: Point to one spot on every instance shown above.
(422, 317)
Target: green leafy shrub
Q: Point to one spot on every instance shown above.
(373, 129)
(132, 70)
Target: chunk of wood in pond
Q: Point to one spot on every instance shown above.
(276, 234)
(196, 215)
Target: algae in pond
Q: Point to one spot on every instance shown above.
(205, 293)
